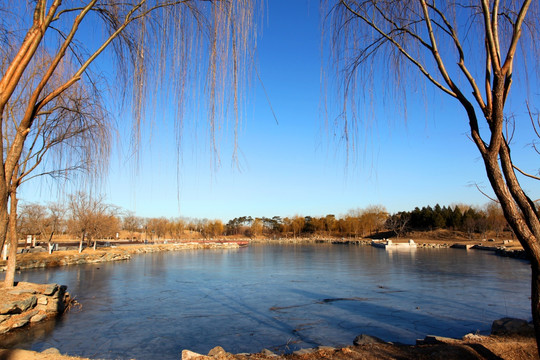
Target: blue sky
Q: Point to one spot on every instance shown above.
(296, 165)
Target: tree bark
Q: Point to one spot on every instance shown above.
(520, 213)
(535, 299)
(9, 280)
(81, 243)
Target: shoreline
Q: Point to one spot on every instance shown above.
(123, 252)
(512, 348)
(105, 254)
(471, 346)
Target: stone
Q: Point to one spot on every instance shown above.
(29, 314)
(511, 326)
(304, 351)
(27, 303)
(364, 339)
(22, 291)
(326, 348)
(474, 337)
(432, 339)
(4, 318)
(217, 351)
(51, 351)
(43, 300)
(269, 353)
(190, 355)
(8, 308)
(50, 289)
(20, 323)
(17, 307)
(37, 318)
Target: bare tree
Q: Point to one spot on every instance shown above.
(469, 51)
(177, 227)
(91, 219)
(54, 222)
(297, 224)
(31, 218)
(132, 224)
(70, 135)
(150, 41)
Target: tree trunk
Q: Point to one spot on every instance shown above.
(4, 216)
(535, 299)
(81, 243)
(9, 280)
(50, 243)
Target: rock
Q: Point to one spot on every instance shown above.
(42, 300)
(50, 289)
(269, 353)
(304, 351)
(51, 351)
(19, 323)
(17, 307)
(217, 351)
(4, 329)
(432, 339)
(326, 348)
(364, 339)
(507, 326)
(190, 355)
(52, 307)
(37, 318)
(474, 337)
(22, 291)
(8, 308)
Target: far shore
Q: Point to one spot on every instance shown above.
(38, 257)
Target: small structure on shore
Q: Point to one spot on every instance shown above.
(390, 245)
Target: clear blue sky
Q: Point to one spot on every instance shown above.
(296, 166)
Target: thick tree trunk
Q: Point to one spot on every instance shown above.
(9, 280)
(4, 217)
(535, 299)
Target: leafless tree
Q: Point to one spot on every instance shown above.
(132, 224)
(31, 217)
(150, 42)
(469, 51)
(91, 218)
(70, 136)
(297, 224)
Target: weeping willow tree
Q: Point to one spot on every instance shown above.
(70, 137)
(144, 48)
(468, 50)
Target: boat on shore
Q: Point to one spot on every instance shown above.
(390, 245)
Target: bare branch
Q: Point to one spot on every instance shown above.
(401, 49)
(526, 174)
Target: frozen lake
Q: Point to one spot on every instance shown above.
(278, 297)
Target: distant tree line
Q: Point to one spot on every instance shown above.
(89, 219)
(464, 218)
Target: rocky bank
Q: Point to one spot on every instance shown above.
(28, 303)
(105, 254)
